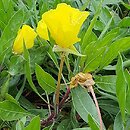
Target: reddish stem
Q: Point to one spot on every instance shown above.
(49, 120)
(90, 88)
(64, 97)
(53, 115)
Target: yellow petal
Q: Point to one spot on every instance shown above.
(78, 18)
(42, 30)
(64, 24)
(27, 35)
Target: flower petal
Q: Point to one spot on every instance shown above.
(64, 24)
(42, 30)
(27, 35)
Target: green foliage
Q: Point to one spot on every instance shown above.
(106, 83)
(34, 124)
(46, 81)
(64, 125)
(84, 104)
(92, 124)
(121, 87)
(10, 111)
(28, 80)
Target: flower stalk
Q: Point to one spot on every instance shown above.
(90, 89)
(57, 93)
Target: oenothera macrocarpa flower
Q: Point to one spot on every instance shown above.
(64, 24)
(26, 35)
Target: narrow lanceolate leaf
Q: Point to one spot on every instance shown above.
(89, 31)
(11, 30)
(10, 111)
(127, 75)
(112, 51)
(28, 69)
(84, 104)
(121, 87)
(45, 80)
(28, 72)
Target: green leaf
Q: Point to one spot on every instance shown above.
(16, 65)
(45, 80)
(89, 30)
(118, 124)
(6, 12)
(28, 72)
(127, 75)
(126, 5)
(83, 104)
(34, 124)
(105, 28)
(73, 118)
(91, 40)
(95, 51)
(125, 22)
(5, 87)
(92, 123)
(30, 3)
(11, 30)
(43, 6)
(85, 4)
(10, 98)
(121, 87)
(94, 58)
(41, 112)
(65, 125)
(6, 4)
(108, 38)
(28, 69)
(37, 55)
(105, 16)
(106, 83)
(112, 51)
(111, 2)
(99, 25)
(113, 108)
(10, 111)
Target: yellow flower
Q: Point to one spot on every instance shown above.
(64, 24)
(27, 35)
(42, 30)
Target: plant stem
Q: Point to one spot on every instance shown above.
(64, 97)
(49, 120)
(90, 88)
(58, 84)
(49, 107)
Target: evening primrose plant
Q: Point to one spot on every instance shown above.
(64, 30)
(64, 65)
